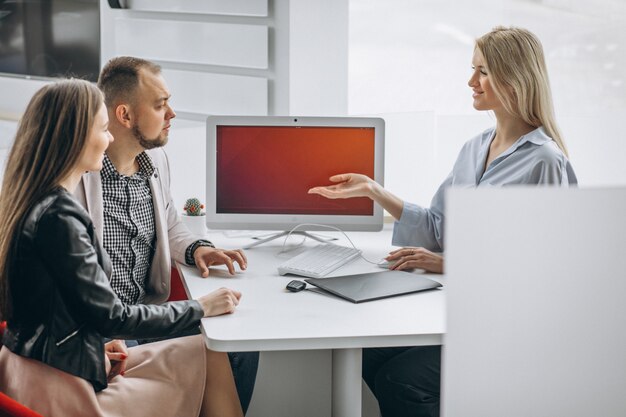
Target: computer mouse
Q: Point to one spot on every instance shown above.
(385, 264)
(295, 285)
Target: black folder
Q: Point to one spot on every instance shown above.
(374, 286)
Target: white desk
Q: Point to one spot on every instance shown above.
(269, 318)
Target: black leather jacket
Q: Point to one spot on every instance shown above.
(63, 304)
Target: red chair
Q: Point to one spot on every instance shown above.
(11, 408)
(177, 289)
(8, 406)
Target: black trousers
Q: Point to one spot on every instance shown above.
(243, 364)
(405, 380)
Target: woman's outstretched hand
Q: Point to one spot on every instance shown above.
(347, 186)
(410, 258)
(221, 301)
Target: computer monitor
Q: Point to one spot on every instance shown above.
(259, 169)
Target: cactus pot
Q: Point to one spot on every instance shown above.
(195, 224)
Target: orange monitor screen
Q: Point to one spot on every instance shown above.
(269, 169)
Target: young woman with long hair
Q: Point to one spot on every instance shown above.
(56, 297)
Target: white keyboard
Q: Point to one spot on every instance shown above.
(319, 260)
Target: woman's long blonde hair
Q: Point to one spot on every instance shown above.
(48, 143)
(515, 61)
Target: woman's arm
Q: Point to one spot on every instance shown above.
(357, 185)
(417, 226)
(71, 259)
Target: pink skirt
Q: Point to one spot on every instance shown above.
(162, 379)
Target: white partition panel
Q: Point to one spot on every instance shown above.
(208, 93)
(235, 45)
(230, 7)
(15, 93)
(410, 138)
(536, 280)
(596, 147)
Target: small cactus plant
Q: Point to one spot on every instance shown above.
(193, 207)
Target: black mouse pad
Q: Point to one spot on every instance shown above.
(374, 286)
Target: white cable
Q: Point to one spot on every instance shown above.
(328, 227)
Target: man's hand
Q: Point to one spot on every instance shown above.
(410, 258)
(115, 355)
(205, 257)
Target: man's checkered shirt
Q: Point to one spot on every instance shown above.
(129, 228)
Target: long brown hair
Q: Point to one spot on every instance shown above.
(48, 143)
(515, 59)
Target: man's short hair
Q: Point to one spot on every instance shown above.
(119, 78)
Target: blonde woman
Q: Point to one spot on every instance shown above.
(56, 297)
(509, 78)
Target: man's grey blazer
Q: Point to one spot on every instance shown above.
(172, 236)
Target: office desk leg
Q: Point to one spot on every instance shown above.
(346, 389)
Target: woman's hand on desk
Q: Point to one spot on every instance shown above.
(206, 256)
(410, 258)
(222, 301)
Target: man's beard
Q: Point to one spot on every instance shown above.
(146, 143)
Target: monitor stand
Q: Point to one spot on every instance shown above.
(262, 240)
